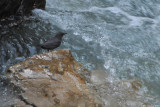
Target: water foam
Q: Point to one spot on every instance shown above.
(134, 20)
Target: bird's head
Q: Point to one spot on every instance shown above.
(60, 34)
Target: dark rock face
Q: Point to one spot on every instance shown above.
(12, 12)
(19, 7)
(26, 7)
(40, 4)
(8, 7)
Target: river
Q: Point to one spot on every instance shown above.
(120, 37)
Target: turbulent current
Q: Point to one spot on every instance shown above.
(120, 37)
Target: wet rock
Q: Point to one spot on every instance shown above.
(51, 80)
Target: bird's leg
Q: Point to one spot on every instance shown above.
(45, 51)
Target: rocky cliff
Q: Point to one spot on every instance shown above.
(51, 79)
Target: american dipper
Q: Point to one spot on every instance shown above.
(53, 42)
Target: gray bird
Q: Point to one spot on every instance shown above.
(53, 42)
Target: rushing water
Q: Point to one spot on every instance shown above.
(121, 37)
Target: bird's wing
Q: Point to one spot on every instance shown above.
(52, 43)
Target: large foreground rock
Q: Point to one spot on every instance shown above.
(51, 80)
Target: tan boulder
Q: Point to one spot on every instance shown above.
(51, 80)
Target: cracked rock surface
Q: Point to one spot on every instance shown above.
(51, 80)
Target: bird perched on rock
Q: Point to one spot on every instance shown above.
(54, 42)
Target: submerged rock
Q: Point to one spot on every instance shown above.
(51, 80)
(120, 93)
